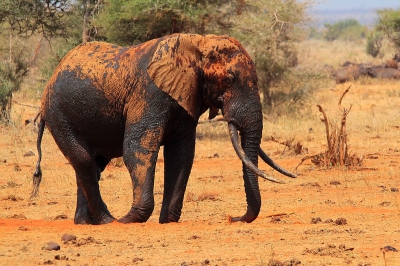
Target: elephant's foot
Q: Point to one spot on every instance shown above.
(169, 218)
(135, 215)
(244, 218)
(105, 219)
(83, 216)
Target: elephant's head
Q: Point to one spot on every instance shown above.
(216, 72)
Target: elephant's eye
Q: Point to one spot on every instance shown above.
(229, 79)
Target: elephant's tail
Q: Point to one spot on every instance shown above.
(37, 176)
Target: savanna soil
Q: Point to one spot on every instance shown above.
(324, 217)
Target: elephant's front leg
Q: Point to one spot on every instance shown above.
(178, 161)
(140, 157)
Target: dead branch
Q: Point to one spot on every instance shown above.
(296, 147)
(280, 214)
(305, 158)
(26, 105)
(341, 98)
(325, 121)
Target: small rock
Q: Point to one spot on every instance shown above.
(205, 262)
(389, 248)
(394, 189)
(29, 153)
(23, 228)
(61, 217)
(58, 257)
(292, 262)
(328, 221)
(52, 246)
(137, 259)
(275, 263)
(341, 221)
(275, 219)
(67, 238)
(316, 220)
(19, 217)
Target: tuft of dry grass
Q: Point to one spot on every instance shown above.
(192, 197)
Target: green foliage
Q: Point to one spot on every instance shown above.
(127, 22)
(11, 77)
(389, 24)
(348, 29)
(269, 30)
(374, 44)
(20, 22)
(27, 17)
(291, 94)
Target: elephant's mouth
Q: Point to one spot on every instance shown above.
(243, 157)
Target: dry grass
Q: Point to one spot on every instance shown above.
(317, 52)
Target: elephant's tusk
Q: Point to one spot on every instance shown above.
(242, 155)
(271, 163)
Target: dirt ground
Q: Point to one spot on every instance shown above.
(324, 217)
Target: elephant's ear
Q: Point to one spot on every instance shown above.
(175, 69)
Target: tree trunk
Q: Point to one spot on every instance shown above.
(85, 32)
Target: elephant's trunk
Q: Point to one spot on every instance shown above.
(247, 119)
(248, 153)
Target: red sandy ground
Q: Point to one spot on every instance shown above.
(367, 199)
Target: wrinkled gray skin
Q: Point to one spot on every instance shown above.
(106, 101)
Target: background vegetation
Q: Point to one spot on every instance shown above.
(38, 33)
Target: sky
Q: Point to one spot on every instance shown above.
(350, 4)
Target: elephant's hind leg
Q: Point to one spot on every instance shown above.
(90, 208)
(83, 215)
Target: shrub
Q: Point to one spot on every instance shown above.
(349, 29)
(374, 44)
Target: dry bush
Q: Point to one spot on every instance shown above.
(337, 153)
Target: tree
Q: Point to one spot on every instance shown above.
(374, 44)
(22, 19)
(348, 29)
(389, 24)
(270, 31)
(127, 22)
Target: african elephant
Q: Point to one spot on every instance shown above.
(105, 101)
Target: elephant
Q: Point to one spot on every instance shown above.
(105, 101)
